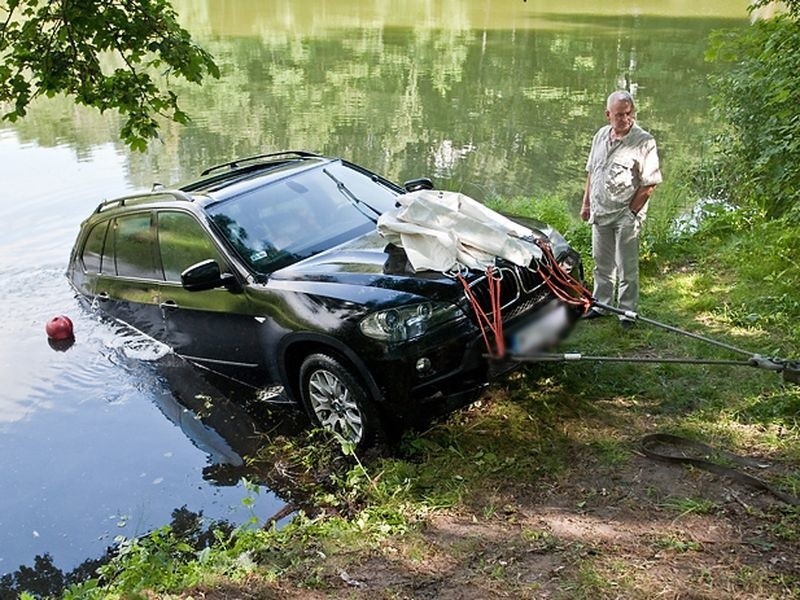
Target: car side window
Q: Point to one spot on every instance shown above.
(134, 247)
(93, 248)
(183, 242)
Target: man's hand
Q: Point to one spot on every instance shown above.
(640, 198)
(585, 210)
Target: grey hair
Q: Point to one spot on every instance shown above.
(620, 96)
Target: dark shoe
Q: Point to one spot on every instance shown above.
(627, 323)
(593, 314)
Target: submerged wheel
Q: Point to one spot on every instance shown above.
(335, 400)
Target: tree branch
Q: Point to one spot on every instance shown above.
(56, 48)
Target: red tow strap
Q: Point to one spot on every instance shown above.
(495, 324)
(563, 286)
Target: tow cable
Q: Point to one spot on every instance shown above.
(789, 368)
(496, 344)
(572, 291)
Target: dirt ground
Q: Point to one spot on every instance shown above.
(642, 529)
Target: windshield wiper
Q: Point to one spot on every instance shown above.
(354, 200)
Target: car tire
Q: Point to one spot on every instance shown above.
(337, 401)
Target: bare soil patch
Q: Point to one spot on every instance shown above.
(635, 529)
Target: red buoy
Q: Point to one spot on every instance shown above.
(59, 328)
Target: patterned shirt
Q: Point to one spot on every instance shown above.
(617, 169)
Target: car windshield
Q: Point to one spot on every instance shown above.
(278, 224)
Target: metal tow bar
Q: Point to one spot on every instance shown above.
(789, 368)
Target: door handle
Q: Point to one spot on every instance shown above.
(168, 304)
(102, 296)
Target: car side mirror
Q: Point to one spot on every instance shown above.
(421, 183)
(206, 275)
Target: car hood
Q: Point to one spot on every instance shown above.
(369, 261)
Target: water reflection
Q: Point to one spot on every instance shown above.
(494, 100)
(87, 451)
(44, 579)
(503, 113)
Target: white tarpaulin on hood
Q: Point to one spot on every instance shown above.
(443, 231)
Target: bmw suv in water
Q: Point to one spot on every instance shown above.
(270, 270)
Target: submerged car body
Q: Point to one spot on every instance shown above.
(270, 270)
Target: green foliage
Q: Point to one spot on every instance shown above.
(671, 200)
(107, 55)
(792, 6)
(316, 472)
(757, 97)
(149, 561)
(172, 557)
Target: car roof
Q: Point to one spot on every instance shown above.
(225, 180)
(231, 179)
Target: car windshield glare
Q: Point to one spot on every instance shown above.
(291, 219)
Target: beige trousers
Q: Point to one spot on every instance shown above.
(615, 249)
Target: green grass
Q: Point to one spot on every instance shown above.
(688, 506)
(675, 544)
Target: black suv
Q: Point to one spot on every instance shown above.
(270, 270)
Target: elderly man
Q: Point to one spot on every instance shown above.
(622, 171)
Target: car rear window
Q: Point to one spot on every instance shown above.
(93, 248)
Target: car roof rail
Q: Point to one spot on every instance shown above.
(239, 162)
(143, 197)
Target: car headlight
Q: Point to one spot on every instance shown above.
(407, 322)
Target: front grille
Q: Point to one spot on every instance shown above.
(509, 290)
(521, 289)
(530, 281)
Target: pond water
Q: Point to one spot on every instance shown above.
(497, 99)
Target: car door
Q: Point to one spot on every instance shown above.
(216, 327)
(127, 286)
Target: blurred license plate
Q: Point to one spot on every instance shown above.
(541, 332)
